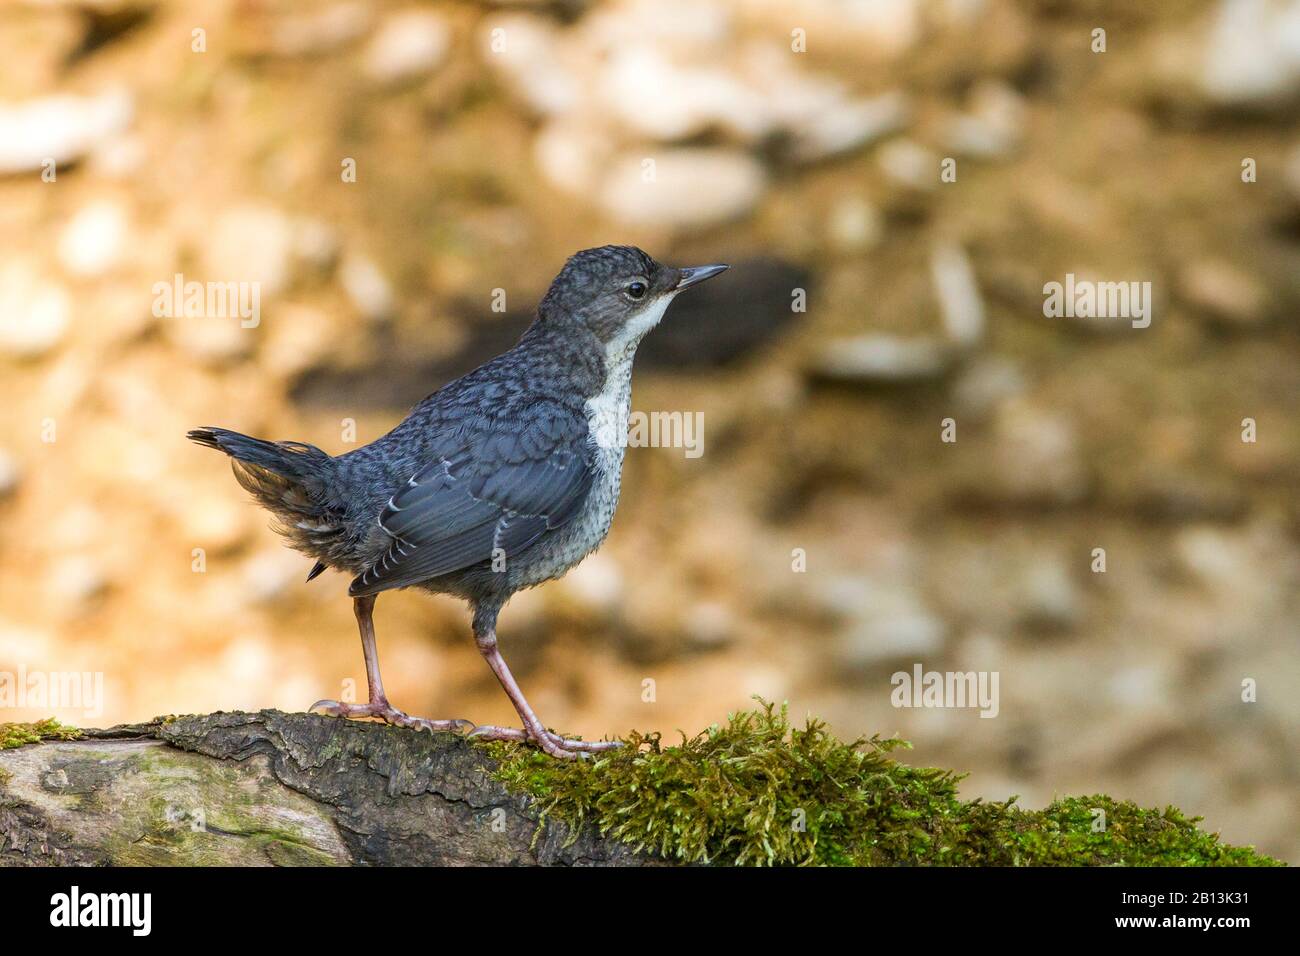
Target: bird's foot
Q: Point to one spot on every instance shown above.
(566, 748)
(389, 714)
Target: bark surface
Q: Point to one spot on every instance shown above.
(243, 789)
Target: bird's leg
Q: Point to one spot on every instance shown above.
(379, 705)
(552, 743)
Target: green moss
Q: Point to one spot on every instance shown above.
(759, 792)
(18, 735)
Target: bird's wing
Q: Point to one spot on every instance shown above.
(502, 484)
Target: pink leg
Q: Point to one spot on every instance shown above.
(553, 744)
(379, 705)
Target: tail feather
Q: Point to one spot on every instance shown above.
(292, 480)
(289, 459)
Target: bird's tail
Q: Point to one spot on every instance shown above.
(292, 480)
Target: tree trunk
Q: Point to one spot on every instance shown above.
(272, 789)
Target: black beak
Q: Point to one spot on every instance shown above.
(697, 274)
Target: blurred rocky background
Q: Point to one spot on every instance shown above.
(803, 142)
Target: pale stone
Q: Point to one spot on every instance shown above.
(94, 241)
(691, 188)
(960, 304)
(994, 125)
(1252, 51)
(1222, 291)
(909, 163)
(319, 31)
(1037, 454)
(844, 127)
(597, 583)
(60, 128)
(572, 155)
(408, 44)
(366, 287)
(527, 52)
(653, 97)
(250, 243)
(883, 358)
(34, 312)
(75, 580)
(854, 225)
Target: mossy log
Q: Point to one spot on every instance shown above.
(285, 789)
(272, 788)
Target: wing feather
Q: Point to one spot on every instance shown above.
(504, 485)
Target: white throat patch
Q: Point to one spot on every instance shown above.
(607, 411)
(623, 345)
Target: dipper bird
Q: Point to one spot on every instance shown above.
(498, 481)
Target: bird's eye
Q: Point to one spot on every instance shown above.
(636, 290)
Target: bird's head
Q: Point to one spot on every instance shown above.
(619, 293)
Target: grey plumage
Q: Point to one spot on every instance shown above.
(497, 481)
